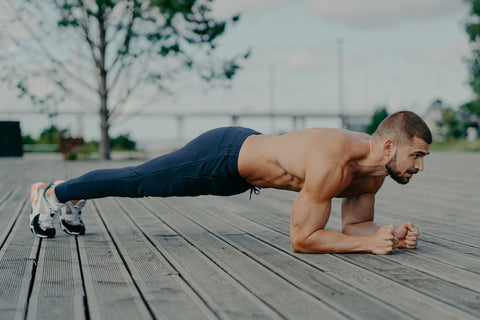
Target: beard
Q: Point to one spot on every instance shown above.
(396, 175)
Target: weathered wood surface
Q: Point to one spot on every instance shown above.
(230, 257)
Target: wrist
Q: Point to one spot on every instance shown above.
(368, 245)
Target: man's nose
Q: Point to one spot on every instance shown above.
(419, 164)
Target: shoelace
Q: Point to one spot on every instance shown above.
(75, 220)
(49, 220)
(79, 205)
(74, 216)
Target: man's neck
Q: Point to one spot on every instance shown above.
(373, 164)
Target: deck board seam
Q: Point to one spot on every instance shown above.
(120, 254)
(335, 255)
(296, 258)
(173, 264)
(223, 268)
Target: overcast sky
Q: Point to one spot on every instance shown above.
(399, 53)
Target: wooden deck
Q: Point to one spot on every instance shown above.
(230, 258)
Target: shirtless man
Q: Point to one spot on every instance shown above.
(319, 164)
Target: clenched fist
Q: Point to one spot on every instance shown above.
(407, 235)
(384, 240)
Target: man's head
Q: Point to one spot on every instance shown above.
(405, 139)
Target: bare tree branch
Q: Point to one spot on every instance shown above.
(46, 50)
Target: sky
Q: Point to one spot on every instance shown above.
(402, 54)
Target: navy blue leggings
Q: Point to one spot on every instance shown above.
(206, 165)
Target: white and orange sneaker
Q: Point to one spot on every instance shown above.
(44, 211)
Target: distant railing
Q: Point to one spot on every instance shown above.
(356, 122)
(40, 148)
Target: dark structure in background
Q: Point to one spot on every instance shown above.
(10, 139)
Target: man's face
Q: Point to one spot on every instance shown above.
(407, 160)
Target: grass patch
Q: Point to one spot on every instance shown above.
(456, 145)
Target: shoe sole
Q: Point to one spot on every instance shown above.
(73, 233)
(34, 230)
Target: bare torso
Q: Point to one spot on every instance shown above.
(321, 164)
(281, 162)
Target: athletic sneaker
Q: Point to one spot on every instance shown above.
(44, 211)
(70, 219)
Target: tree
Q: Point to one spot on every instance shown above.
(378, 116)
(122, 43)
(451, 126)
(472, 27)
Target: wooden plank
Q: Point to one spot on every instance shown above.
(442, 258)
(17, 266)
(19, 247)
(444, 251)
(14, 193)
(432, 226)
(159, 283)
(228, 298)
(10, 207)
(445, 291)
(110, 291)
(317, 283)
(230, 249)
(369, 280)
(458, 219)
(57, 290)
(288, 300)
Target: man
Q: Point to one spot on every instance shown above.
(319, 164)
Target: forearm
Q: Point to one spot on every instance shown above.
(366, 228)
(329, 241)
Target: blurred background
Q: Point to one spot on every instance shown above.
(93, 77)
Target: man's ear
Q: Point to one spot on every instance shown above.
(388, 147)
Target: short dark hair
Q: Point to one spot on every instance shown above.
(402, 126)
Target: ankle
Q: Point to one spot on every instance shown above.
(51, 192)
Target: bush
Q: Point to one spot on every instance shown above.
(83, 152)
(28, 140)
(51, 135)
(123, 143)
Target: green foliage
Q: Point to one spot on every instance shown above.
(138, 45)
(51, 135)
(27, 139)
(472, 106)
(84, 152)
(164, 27)
(472, 28)
(120, 143)
(451, 125)
(123, 143)
(378, 116)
